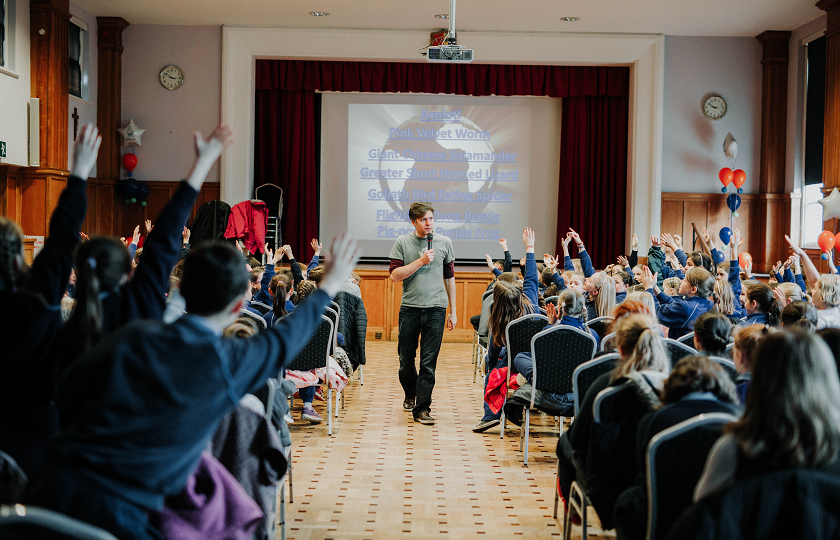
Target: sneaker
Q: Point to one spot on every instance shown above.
(288, 418)
(484, 425)
(425, 418)
(408, 404)
(319, 394)
(310, 414)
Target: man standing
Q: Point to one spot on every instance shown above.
(425, 263)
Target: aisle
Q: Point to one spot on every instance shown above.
(383, 476)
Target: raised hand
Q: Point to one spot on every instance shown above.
(648, 278)
(186, 235)
(634, 243)
(503, 243)
(576, 236)
(528, 238)
(779, 295)
(316, 246)
(788, 262)
(668, 240)
(287, 249)
(551, 312)
(678, 241)
(85, 237)
(123, 240)
(654, 241)
(565, 242)
(341, 259)
(622, 260)
(552, 263)
(706, 236)
(85, 151)
(206, 154)
(796, 249)
(489, 260)
(135, 238)
(149, 226)
(546, 258)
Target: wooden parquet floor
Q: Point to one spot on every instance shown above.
(383, 476)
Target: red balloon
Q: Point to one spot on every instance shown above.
(725, 176)
(744, 259)
(837, 239)
(129, 161)
(826, 240)
(739, 177)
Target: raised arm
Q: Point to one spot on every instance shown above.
(811, 271)
(634, 253)
(297, 275)
(530, 287)
(507, 265)
(585, 261)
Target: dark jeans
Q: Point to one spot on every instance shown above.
(425, 324)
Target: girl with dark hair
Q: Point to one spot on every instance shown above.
(712, 331)
(510, 301)
(679, 314)
(30, 315)
(105, 296)
(696, 386)
(800, 313)
(761, 305)
(792, 418)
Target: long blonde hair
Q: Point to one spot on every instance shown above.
(724, 297)
(605, 300)
(639, 340)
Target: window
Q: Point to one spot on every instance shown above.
(4, 22)
(814, 122)
(78, 59)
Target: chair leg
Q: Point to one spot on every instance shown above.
(557, 490)
(337, 398)
(527, 426)
(362, 374)
(502, 424)
(281, 515)
(329, 410)
(291, 481)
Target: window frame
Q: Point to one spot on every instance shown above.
(84, 60)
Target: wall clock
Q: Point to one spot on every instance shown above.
(171, 77)
(714, 107)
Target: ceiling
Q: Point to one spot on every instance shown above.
(670, 17)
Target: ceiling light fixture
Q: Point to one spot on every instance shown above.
(318, 13)
(442, 16)
(569, 19)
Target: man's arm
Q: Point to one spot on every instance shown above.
(452, 318)
(401, 271)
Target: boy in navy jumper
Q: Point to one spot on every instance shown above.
(139, 407)
(679, 314)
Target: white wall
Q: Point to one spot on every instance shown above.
(15, 90)
(86, 108)
(692, 147)
(170, 117)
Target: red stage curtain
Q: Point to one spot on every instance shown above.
(284, 152)
(593, 175)
(593, 170)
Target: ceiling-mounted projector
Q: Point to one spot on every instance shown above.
(448, 50)
(449, 53)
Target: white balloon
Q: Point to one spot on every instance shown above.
(730, 146)
(831, 205)
(131, 134)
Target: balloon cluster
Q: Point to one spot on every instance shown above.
(827, 240)
(134, 191)
(725, 237)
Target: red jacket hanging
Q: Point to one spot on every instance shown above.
(247, 221)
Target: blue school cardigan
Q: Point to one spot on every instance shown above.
(679, 314)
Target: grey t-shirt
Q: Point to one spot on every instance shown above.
(425, 287)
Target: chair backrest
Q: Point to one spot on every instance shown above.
(611, 402)
(260, 322)
(484, 318)
(557, 352)
(261, 307)
(687, 339)
(333, 315)
(21, 521)
(601, 325)
(272, 196)
(316, 353)
(552, 300)
(271, 383)
(608, 342)
(729, 349)
(485, 294)
(727, 364)
(519, 332)
(674, 462)
(586, 373)
(677, 350)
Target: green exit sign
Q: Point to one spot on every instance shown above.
(2, 149)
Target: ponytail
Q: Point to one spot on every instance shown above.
(101, 265)
(605, 301)
(763, 296)
(640, 341)
(280, 293)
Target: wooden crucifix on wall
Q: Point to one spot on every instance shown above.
(75, 117)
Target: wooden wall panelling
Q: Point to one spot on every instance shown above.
(831, 133)
(40, 190)
(49, 53)
(11, 180)
(109, 92)
(375, 288)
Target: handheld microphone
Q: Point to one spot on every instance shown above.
(430, 237)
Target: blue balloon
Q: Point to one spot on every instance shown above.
(733, 202)
(725, 235)
(129, 188)
(723, 190)
(718, 255)
(824, 256)
(740, 190)
(142, 191)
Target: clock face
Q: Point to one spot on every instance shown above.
(714, 107)
(171, 77)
